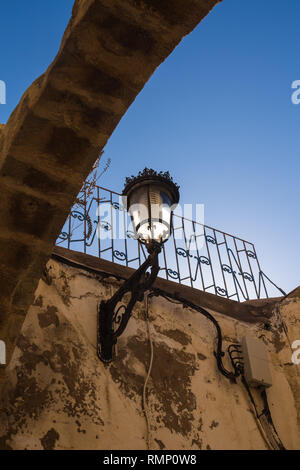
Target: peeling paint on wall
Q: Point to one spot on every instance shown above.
(58, 395)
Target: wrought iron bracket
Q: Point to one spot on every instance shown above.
(113, 315)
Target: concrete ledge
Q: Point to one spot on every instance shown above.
(240, 311)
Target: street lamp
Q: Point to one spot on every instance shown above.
(151, 198)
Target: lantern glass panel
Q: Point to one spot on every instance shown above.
(151, 211)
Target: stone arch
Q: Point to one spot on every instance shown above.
(108, 52)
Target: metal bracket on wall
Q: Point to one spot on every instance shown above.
(114, 315)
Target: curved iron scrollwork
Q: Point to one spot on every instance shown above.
(186, 254)
(247, 276)
(111, 314)
(228, 269)
(81, 217)
(120, 255)
(210, 239)
(222, 292)
(77, 215)
(204, 260)
(173, 274)
(224, 257)
(118, 206)
(251, 254)
(63, 236)
(182, 252)
(116, 320)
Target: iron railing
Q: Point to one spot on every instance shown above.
(196, 254)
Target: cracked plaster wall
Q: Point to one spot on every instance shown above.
(58, 395)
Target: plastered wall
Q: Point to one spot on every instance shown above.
(58, 395)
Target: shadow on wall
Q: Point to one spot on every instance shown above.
(58, 395)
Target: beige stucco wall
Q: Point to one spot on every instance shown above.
(57, 394)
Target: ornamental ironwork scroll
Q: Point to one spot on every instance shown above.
(196, 255)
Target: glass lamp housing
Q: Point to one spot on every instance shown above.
(150, 201)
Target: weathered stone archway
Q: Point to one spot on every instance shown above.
(108, 52)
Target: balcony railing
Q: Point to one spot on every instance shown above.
(196, 255)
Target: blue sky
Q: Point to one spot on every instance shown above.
(217, 114)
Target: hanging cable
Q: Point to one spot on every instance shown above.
(236, 357)
(144, 402)
(256, 414)
(271, 439)
(269, 421)
(267, 430)
(264, 420)
(219, 352)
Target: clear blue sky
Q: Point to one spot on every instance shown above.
(217, 114)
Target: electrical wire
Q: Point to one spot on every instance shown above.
(268, 418)
(264, 420)
(219, 352)
(267, 430)
(237, 361)
(256, 414)
(144, 401)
